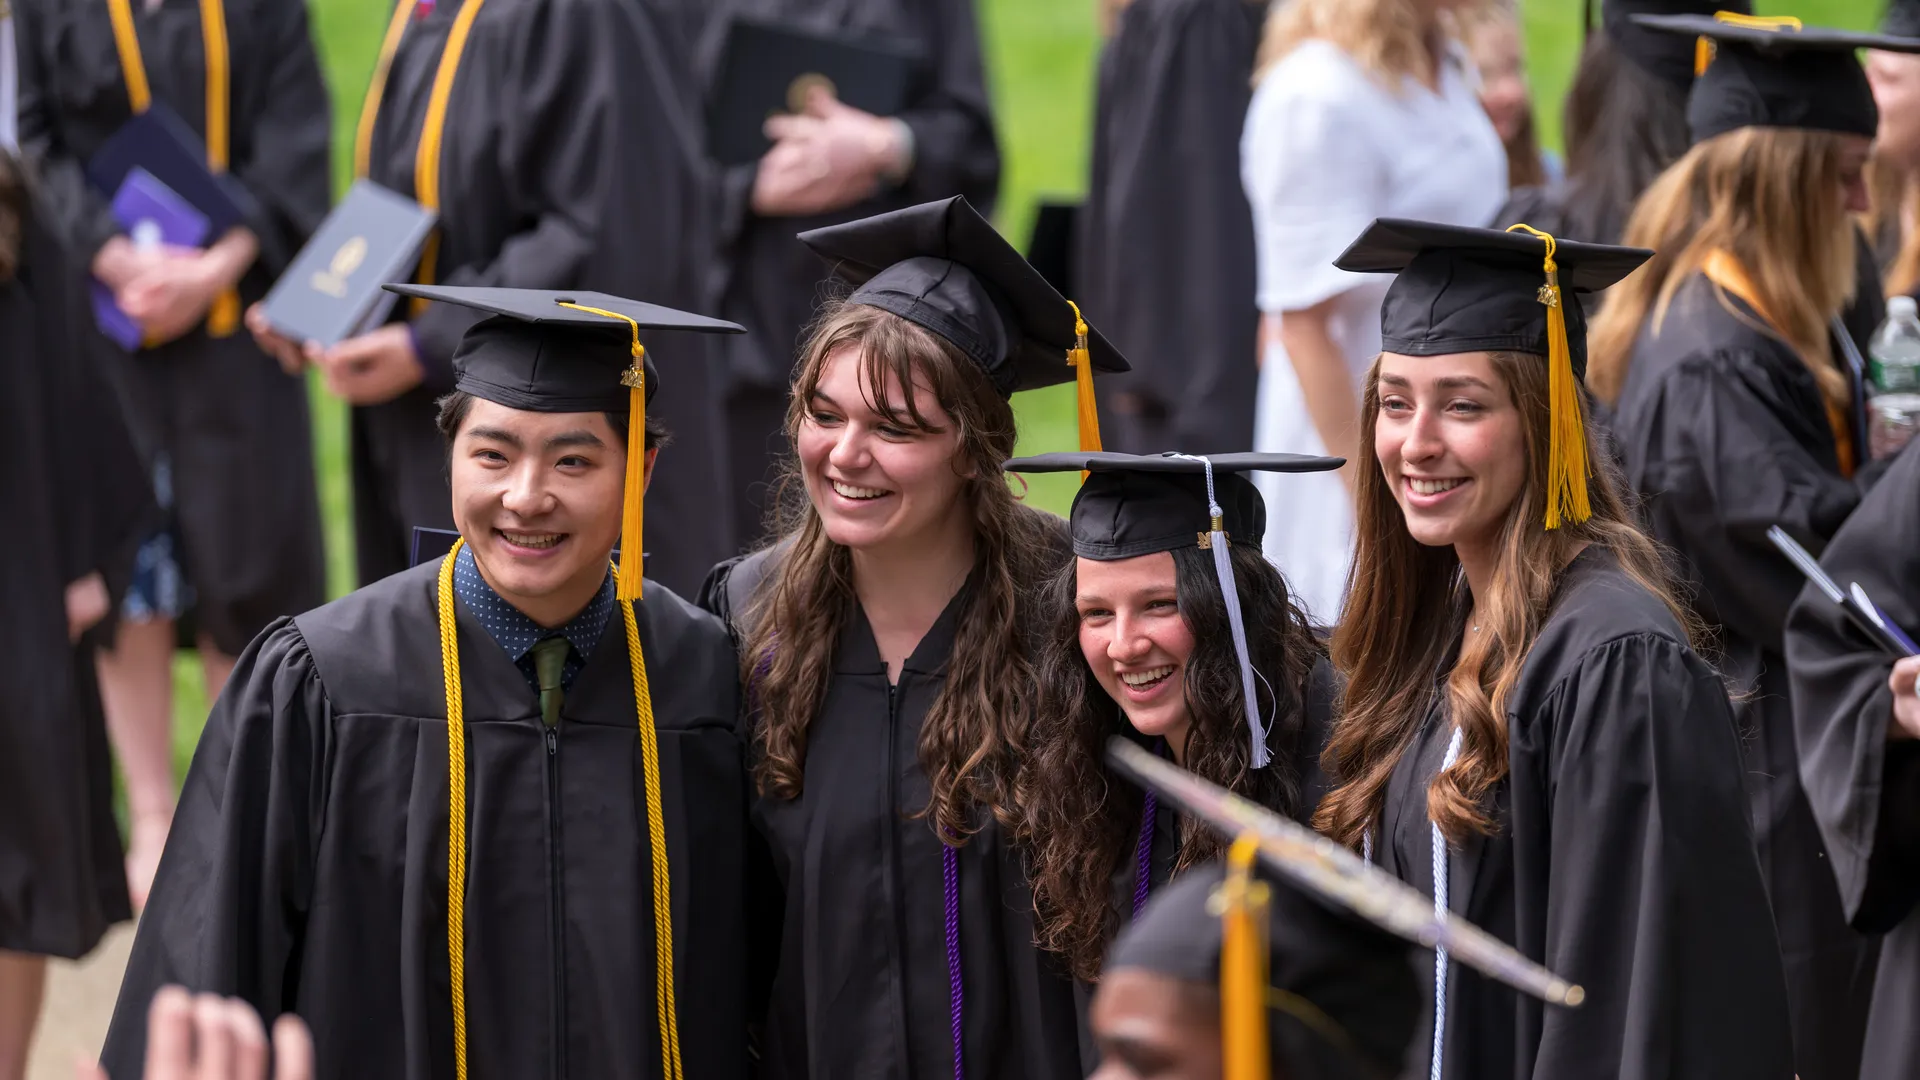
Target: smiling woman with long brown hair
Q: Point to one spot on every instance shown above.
(886, 643)
(1527, 732)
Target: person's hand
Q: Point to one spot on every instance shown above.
(87, 604)
(293, 356)
(171, 296)
(828, 157)
(1905, 722)
(213, 1038)
(372, 368)
(119, 261)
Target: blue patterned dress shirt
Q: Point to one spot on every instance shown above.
(518, 634)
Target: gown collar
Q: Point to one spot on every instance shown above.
(859, 654)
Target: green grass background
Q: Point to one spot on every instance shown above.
(1040, 60)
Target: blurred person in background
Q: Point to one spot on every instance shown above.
(1167, 228)
(1493, 38)
(1894, 173)
(830, 163)
(225, 431)
(1361, 109)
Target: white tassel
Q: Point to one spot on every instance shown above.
(1230, 592)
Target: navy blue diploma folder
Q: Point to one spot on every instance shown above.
(331, 291)
(163, 144)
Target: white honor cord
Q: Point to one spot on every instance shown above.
(9, 82)
(1230, 592)
(1440, 907)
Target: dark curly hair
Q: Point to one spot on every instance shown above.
(1078, 821)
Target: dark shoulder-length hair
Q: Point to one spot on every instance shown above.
(973, 732)
(1079, 821)
(1624, 126)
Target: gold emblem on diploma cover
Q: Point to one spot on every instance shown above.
(333, 280)
(798, 90)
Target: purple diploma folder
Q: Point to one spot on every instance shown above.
(152, 215)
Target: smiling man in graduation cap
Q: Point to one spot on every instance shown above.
(450, 819)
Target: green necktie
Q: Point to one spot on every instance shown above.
(549, 662)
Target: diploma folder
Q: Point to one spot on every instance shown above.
(165, 146)
(152, 214)
(332, 291)
(767, 68)
(1854, 602)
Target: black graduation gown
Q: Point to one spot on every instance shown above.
(1622, 859)
(1724, 433)
(1167, 228)
(233, 424)
(765, 279)
(1864, 790)
(78, 501)
(307, 868)
(861, 988)
(570, 159)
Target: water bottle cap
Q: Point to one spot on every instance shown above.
(1903, 306)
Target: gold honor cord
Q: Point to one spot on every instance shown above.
(1567, 467)
(426, 160)
(223, 318)
(1086, 409)
(457, 831)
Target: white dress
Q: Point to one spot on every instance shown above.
(1327, 148)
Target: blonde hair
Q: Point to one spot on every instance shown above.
(1389, 39)
(1768, 198)
(1896, 198)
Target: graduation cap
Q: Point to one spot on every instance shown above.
(570, 351)
(1339, 995)
(1662, 55)
(1902, 19)
(1463, 289)
(1775, 72)
(1136, 504)
(942, 267)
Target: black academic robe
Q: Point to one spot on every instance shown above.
(1621, 859)
(307, 867)
(1724, 433)
(233, 424)
(77, 504)
(1864, 790)
(1167, 228)
(570, 159)
(861, 989)
(769, 282)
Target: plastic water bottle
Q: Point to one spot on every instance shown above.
(1894, 367)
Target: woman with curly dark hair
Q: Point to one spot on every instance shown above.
(885, 645)
(1148, 637)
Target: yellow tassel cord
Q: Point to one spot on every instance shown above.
(1242, 906)
(1080, 358)
(668, 1014)
(634, 504)
(1704, 49)
(456, 815)
(223, 317)
(426, 160)
(1567, 466)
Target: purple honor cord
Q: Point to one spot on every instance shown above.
(1143, 855)
(950, 878)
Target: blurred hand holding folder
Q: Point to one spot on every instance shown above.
(154, 216)
(768, 68)
(1858, 606)
(331, 291)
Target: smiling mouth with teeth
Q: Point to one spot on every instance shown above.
(1140, 680)
(537, 541)
(1434, 487)
(848, 491)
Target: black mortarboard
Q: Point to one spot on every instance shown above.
(1343, 997)
(569, 351)
(1902, 19)
(1659, 54)
(1773, 72)
(941, 266)
(1135, 504)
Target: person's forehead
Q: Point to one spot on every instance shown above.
(529, 423)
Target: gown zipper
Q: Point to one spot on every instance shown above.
(556, 940)
(896, 883)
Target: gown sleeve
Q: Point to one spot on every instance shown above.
(285, 168)
(79, 216)
(1722, 470)
(1654, 900)
(229, 904)
(954, 149)
(1864, 790)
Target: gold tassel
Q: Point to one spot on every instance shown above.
(1080, 358)
(633, 504)
(1567, 467)
(1704, 49)
(1242, 906)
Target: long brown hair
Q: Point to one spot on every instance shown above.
(1766, 197)
(1389, 39)
(1403, 615)
(1890, 223)
(1077, 818)
(13, 213)
(974, 730)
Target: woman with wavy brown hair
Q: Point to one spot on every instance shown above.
(1147, 639)
(886, 645)
(1527, 732)
(1737, 406)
